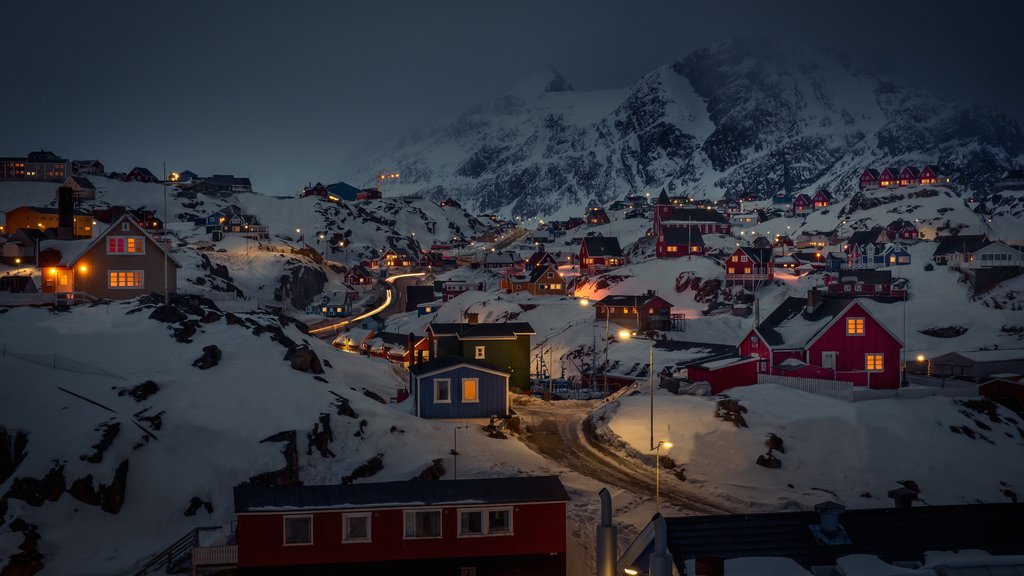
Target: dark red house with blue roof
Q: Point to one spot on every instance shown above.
(486, 526)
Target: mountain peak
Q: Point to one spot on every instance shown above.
(546, 79)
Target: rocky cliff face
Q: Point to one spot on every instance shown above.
(746, 116)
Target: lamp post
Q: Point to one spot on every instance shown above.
(928, 368)
(626, 335)
(657, 472)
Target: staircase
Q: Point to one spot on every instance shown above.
(183, 551)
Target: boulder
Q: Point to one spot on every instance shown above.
(304, 360)
(168, 314)
(210, 358)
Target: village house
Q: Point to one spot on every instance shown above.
(368, 194)
(540, 258)
(501, 261)
(875, 249)
(890, 177)
(222, 185)
(750, 267)
(404, 349)
(676, 241)
(902, 230)
(505, 346)
(821, 199)
(909, 175)
(825, 338)
(641, 313)
(953, 250)
(493, 526)
(979, 539)
(21, 246)
(146, 218)
(39, 165)
(723, 372)
(802, 205)
(994, 255)
(416, 294)
(396, 258)
(597, 216)
(455, 387)
(599, 254)
(978, 364)
(452, 288)
(359, 276)
(667, 215)
(124, 261)
(868, 179)
(140, 174)
(42, 218)
(90, 167)
(320, 191)
(83, 188)
(12, 168)
(816, 239)
(335, 305)
(541, 281)
(870, 283)
(743, 219)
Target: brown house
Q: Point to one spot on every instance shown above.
(122, 262)
(541, 281)
(642, 312)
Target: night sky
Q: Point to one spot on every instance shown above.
(281, 94)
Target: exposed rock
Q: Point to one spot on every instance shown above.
(195, 504)
(210, 317)
(110, 432)
(300, 286)
(210, 358)
(12, 451)
(29, 561)
(304, 360)
(769, 460)
(944, 332)
(167, 313)
(433, 472)
(287, 476)
(345, 407)
(186, 330)
(34, 491)
(112, 495)
(371, 467)
(321, 437)
(140, 392)
(84, 491)
(374, 396)
(775, 443)
(276, 334)
(729, 409)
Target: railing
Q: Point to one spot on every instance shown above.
(833, 388)
(173, 554)
(214, 556)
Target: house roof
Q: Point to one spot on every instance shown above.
(873, 172)
(444, 363)
(961, 243)
(862, 237)
(758, 255)
(467, 331)
(663, 198)
(683, 235)
(913, 171)
(82, 182)
(892, 534)
(634, 300)
(602, 246)
(113, 226)
(142, 171)
(537, 256)
(526, 489)
(507, 257)
(416, 294)
(682, 214)
(802, 198)
(539, 271)
(982, 356)
(865, 276)
(789, 327)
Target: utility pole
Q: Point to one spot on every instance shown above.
(167, 295)
(455, 449)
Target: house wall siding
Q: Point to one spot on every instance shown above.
(94, 280)
(492, 393)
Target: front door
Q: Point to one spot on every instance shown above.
(828, 360)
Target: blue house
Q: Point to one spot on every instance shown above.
(455, 387)
(428, 307)
(895, 254)
(215, 221)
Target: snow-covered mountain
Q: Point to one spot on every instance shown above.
(745, 116)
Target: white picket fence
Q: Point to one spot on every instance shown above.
(833, 388)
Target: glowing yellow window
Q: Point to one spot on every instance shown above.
(470, 390)
(124, 279)
(873, 362)
(854, 326)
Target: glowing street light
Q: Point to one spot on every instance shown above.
(626, 335)
(657, 472)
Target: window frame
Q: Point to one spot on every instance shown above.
(284, 529)
(485, 522)
(476, 391)
(480, 352)
(879, 365)
(437, 387)
(142, 280)
(852, 329)
(345, 539)
(141, 240)
(405, 523)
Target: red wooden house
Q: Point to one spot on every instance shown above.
(540, 258)
(707, 220)
(597, 216)
(642, 313)
(821, 199)
(497, 526)
(452, 288)
(869, 283)
(929, 175)
(139, 174)
(317, 189)
(868, 179)
(802, 204)
(396, 347)
(599, 254)
(830, 339)
(750, 266)
(368, 194)
(359, 275)
(909, 175)
(725, 373)
(888, 177)
(901, 229)
(675, 241)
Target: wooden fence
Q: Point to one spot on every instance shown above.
(833, 388)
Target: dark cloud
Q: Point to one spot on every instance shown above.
(283, 93)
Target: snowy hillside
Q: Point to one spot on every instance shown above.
(742, 117)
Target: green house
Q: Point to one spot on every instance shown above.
(506, 346)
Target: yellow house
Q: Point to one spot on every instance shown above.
(43, 218)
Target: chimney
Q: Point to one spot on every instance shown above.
(829, 514)
(117, 211)
(472, 317)
(410, 347)
(813, 300)
(65, 213)
(607, 542)
(902, 497)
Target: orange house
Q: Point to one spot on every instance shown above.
(122, 262)
(541, 281)
(43, 218)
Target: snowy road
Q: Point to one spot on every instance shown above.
(558, 432)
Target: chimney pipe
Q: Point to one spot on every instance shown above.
(472, 317)
(65, 213)
(902, 497)
(607, 539)
(829, 514)
(661, 559)
(813, 300)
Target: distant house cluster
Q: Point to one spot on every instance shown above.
(190, 184)
(39, 165)
(804, 204)
(874, 178)
(679, 231)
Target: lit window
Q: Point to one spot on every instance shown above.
(854, 326)
(125, 279)
(443, 391)
(695, 249)
(126, 245)
(298, 530)
(356, 528)
(480, 352)
(746, 270)
(470, 390)
(673, 248)
(485, 522)
(873, 362)
(423, 524)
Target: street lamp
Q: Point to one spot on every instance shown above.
(928, 367)
(657, 472)
(626, 335)
(455, 448)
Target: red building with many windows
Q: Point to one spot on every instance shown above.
(492, 526)
(750, 266)
(599, 254)
(831, 339)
